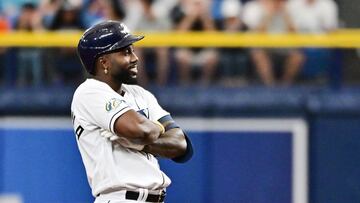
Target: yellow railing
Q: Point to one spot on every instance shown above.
(338, 39)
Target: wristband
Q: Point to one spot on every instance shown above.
(162, 129)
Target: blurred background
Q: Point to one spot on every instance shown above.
(268, 90)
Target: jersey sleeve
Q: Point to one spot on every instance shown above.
(101, 107)
(155, 110)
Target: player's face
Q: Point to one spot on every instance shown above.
(124, 65)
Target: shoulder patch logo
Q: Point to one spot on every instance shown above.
(113, 104)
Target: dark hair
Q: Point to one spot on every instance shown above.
(59, 23)
(118, 8)
(28, 5)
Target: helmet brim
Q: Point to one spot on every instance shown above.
(131, 39)
(126, 41)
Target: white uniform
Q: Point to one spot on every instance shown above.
(318, 17)
(110, 167)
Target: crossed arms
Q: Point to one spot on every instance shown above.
(170, 143)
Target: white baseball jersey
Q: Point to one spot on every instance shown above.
(96, 106)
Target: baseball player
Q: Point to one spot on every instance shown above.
(120, 128)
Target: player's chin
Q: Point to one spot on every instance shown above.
(127, 78)
(132, 75)
(132, 80)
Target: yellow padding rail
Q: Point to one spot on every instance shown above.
(338, 39)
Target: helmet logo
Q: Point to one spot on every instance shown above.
(125, 29)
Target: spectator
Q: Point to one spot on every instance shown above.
(48, 9)
(4, 23)
(4, 27)
(233, 61)
(98, 10)
(94, 12)
(67, 18)
(151, 21)
(314, 17)
(272, 16)
(66, 68)
(194, 15)
(29, 20)
(115, 10)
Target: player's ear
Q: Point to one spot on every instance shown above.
(103, 60)
(104, 63)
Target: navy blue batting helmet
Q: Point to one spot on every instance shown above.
(103, 38)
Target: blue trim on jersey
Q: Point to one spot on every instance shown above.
(172, 123)
(189, 147)
(116, 118)
(142, 112)
(188, 154)
(171, 126)
(165, 119)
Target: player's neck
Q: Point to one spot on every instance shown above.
(115, 85)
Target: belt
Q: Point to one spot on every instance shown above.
(150, 198)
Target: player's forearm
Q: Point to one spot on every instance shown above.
(148, 133)
(171, 144)
(137, 128)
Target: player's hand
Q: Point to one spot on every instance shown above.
(161, 127)
(120, 140)
(109, 135)
(128, 144)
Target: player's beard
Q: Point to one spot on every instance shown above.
(124, 75)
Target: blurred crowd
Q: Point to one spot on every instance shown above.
(184, 66)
